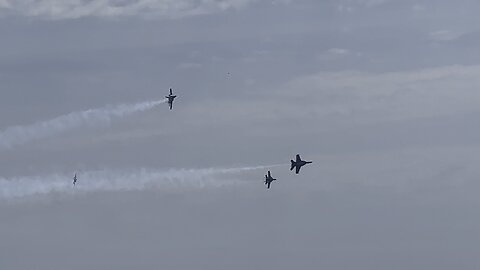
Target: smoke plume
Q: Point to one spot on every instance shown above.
(108, 180)
(19, 135)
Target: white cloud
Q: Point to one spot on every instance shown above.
(4, 4)
(418, 7)
(71, 9)
(334, 53)
(189, 65)
(391, 95)
(351, 5)
(368, 3)
(338, 51)
(443, 35)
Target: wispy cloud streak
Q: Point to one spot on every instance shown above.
(72, 9)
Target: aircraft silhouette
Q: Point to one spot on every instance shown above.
(74, 179)
(298, 163)
(269, 179)
(170, 98)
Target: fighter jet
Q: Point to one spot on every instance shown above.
(170, 98)
(298, 163)
(269, 179)
(75, 179)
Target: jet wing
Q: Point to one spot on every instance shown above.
(297, 169)
(298, 159)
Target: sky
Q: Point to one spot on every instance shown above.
(382, 96)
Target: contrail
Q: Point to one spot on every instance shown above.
(19, 135)
(108, 180)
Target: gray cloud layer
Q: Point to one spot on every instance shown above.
(381, 95)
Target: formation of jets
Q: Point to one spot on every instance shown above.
(169, 98)
(297, 163)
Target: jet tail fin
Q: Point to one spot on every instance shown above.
(293, 165)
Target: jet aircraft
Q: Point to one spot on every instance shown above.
(269, 179)
(298, 163)
(170, 98)
(75, 179)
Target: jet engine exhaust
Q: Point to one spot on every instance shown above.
(19, 135)
(110, 180)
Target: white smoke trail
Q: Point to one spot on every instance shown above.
(106, 180)
(19, 135)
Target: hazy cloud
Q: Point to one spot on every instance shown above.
(383, 98)
(351, 5)
(189, 65)
(72, 9)
(392, 95)
(443, 35)
(338, 51)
